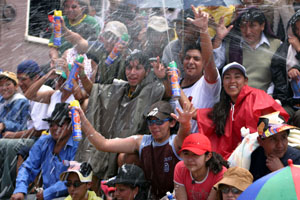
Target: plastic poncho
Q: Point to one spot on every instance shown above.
(250, 105)
(114, 114)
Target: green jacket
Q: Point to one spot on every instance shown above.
(114, 114)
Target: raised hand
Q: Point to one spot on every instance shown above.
(221, 30)
(185, 116)
(201, 19)
(158, 68)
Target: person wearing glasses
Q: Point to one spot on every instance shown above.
(78, 180)
(235, 180)
(47, 156)
(157, 152)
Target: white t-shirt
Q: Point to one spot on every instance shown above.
(56, 98)
(38, 111)
(203, 95)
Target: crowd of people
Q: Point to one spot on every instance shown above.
(238, 67)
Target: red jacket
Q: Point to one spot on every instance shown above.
(250, 105)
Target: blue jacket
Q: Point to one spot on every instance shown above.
(14, 113)
(42, 159)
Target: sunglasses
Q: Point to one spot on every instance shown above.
(158, 122)
(76, 184)
(233, 190)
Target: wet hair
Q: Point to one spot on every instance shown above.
(253, 15)
(191, 46)
(140, 56)
(220, 112)
(83, 4)
(216, 162)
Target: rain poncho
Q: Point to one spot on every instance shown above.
(250, 105)
(114, 114)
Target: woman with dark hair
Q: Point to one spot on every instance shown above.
(239, 106)
(200, 170)
(250, 42)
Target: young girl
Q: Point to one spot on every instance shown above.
(195, 176)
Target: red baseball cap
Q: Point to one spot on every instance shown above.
(196, 143)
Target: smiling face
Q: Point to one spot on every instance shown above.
(233, 82)
(161, 133)
(135, 73)
(25, 81)
(7, 88)
(192, 64)
(124, 192)
(275, 145)
(251, 32)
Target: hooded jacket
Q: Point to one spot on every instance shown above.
(250, 105)
(114, 113)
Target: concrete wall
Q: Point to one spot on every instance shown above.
(13, 47)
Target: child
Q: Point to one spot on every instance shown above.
(200, 170)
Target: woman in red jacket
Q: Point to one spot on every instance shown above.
(239, 106)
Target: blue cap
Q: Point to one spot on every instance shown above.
(28, 66)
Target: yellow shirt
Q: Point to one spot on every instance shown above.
(217, 13)
(92, 196)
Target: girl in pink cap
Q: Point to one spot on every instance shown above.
(195, 176)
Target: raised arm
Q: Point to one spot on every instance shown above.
(42, 97)
(201, 21)
(184, 118)
(117, 145)
(161, 73)
(75, 39)
(221, 32)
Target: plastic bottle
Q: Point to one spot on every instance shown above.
(57, 28)
(115, 53)
(174, 80)
(73, 74)
(76, 124)
(170, 196)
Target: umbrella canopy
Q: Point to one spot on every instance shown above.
(182, 4)
(187, 3)
(159, 3)
(283, 184)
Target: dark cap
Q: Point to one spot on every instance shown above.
(128, 174)
(60, 113)
(28, 67)
(161, 110)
